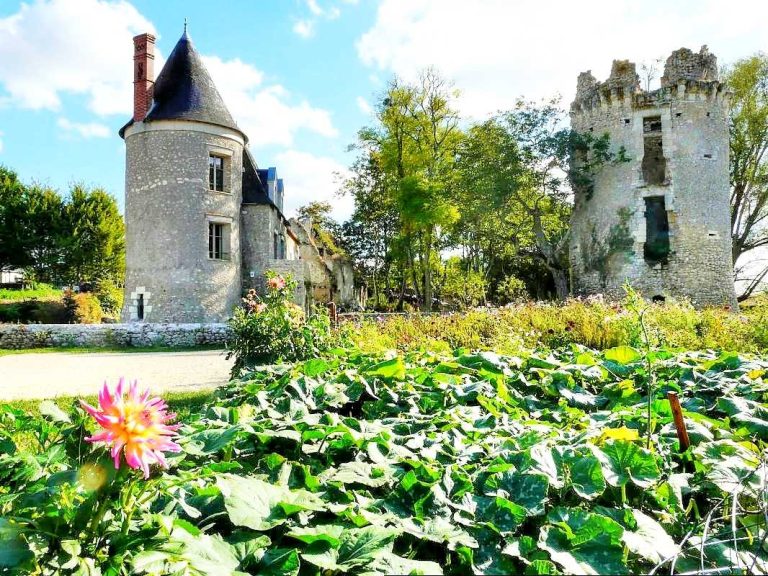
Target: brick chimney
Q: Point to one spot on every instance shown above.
(143, 74)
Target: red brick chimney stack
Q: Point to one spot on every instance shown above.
(143, 74)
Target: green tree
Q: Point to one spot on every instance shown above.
(323, 226)
(47, 234)
(368, 236)
(95, 249)
(14, 237)
(415, 145)
(748, 82)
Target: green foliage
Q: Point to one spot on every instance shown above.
(601, 252)
(275, 329)
(110, 297)
(61, 240)
(454, 463)
(460, 288)
(511, 289)
(82, 308)
(747, 80)
(40, 291)
(590, 322)
(96, 239)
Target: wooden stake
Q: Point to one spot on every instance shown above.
(333, 313)
(677, 413)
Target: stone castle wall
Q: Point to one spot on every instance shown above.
(608, 227)
(167, 210)
(22, 336)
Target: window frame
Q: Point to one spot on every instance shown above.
(216, 173)
(218, 240)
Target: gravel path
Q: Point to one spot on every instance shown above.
(32, 376)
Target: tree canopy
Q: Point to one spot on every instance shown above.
(74, 239)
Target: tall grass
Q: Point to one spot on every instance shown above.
(592, 323)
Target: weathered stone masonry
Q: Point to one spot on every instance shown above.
(21, 336)
(659, 221)
(203, 222)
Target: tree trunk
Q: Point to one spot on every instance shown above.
(428, 273)
(561, 282)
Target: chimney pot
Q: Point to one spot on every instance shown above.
(143, 75)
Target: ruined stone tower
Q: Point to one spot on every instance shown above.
(659, 221)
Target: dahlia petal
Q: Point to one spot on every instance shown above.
(135, 425)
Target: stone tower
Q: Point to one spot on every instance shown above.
(659, 220)
(183, 192)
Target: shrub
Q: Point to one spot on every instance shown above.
(511, 289)
(275, 329)
(82, 308)
(110, 297)
(589, 322)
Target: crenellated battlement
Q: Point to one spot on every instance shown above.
(688, 76)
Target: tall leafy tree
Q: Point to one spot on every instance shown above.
(48, 235)
(96, 243)
(415, 144)
(368, 236)
(748, 82)
(14, 237)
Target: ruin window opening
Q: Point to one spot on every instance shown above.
(656, 249)
(654, 164)
(216, 173)
(658, 299)
(140, 307)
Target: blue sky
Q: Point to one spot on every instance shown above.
(299, 75)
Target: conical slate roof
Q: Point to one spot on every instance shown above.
(184, 91)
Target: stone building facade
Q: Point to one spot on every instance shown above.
(203, 221)
(658, 219)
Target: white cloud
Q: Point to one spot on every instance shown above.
(84, 130)
(267, 114)
(496, 50)
(314, 7)
(365, 108)
(53, 47)
(304, 28)
(311, 178)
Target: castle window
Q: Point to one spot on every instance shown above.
(140, 307)
(656, 249)
(216, 173)
(654, 164)
(218, 241)
(276, 246)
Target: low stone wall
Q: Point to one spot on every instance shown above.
(19, 336)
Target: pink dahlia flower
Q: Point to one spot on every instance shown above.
(135, 424)
(276, 283)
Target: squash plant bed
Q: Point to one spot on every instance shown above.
(422, 464)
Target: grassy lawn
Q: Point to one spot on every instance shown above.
(92, 349)
(182, 403)
(42, 293)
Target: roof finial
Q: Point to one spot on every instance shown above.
(185, 25)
